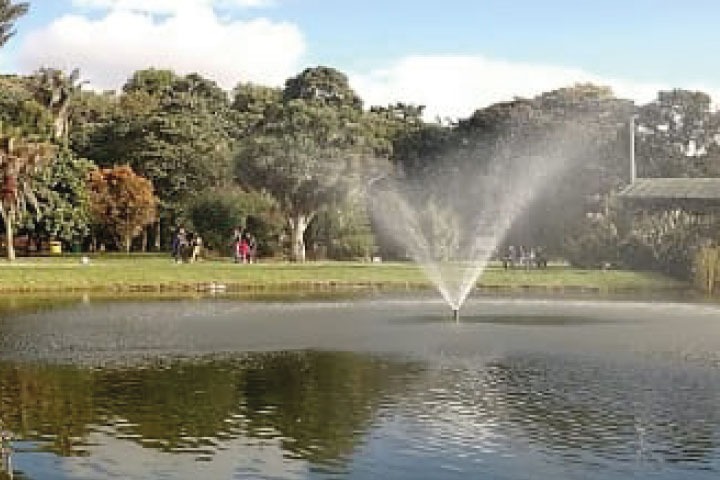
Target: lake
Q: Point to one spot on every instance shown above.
(359, 388)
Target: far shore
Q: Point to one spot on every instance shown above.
(155, 273)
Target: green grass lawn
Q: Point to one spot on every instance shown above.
(152, 272)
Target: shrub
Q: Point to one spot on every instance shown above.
(666, 241)
(707, 269)
(594, 244)
(216, 213)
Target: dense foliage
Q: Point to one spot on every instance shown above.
(216, 214)
(122, 204)
(292, 164)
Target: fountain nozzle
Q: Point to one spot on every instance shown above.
(456, 314)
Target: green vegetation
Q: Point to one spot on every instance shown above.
(293, 166)
(707, 270)
(154, 273)
(319, 403)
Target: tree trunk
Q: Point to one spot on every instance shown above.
(298, 225)
(61, 123)
(145, 239)
(9, 238)
(128, 243)
(157, 236)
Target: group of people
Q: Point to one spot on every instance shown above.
(186, 246)
(244, 246)
(527, 257)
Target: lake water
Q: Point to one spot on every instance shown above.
(223, 388)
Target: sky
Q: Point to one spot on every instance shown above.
(453, 56)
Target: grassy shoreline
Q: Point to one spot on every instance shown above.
(140, 273)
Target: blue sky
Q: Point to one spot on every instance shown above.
(453, 56)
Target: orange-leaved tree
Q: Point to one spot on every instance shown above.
(122, 203)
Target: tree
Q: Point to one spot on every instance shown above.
(20, 110)
(20, 158)
(322, 86)
(678, 136)
(55, 90)
(215, 214)
(92, 114)
(9, 13)
(311, 149)
(63, 200)
(122, 202)
(305, 158)
(343, 230)
(173, 130)
(154, 82)
(250, 106)
(186, 145)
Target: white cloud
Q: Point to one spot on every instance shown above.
(192, 39)
(455, 86)
(167, 6)
(190, 36)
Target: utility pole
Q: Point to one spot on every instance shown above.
(633, 168)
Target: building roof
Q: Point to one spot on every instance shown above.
(673, 189)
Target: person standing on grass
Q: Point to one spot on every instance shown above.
(237, 237)
(244, 249)
(197, 245)
(179, 240)
(252, 248)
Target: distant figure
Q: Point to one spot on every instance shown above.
(186, 247)
(179, 243)
(243, 249)
(540, 258)
(252, 248)
(530, 259)
(237, 238)
(507, 259)
(197, 248)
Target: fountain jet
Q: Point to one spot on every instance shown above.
(451, 219)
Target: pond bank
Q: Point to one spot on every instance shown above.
(153, 274)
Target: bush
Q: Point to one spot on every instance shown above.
(342, 232)
(666, 241)
(594, 244)
(216, 213)
(707, 269)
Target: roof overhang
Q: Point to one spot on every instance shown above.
(674, 192)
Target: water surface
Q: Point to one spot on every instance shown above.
(381, 388)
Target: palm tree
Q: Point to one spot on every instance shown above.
(55, 90)
(19, 159)
(10, 12)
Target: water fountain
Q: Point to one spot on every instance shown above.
(451, 219)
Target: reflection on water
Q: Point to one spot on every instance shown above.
(529, 412)
(331, 411)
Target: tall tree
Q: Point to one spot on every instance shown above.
(55, 90)
(250, 105)
(20, 159)
(308, 150)
(62, 193)
(323, 86)
(173, 130)
(9, 13)
(20, 109)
